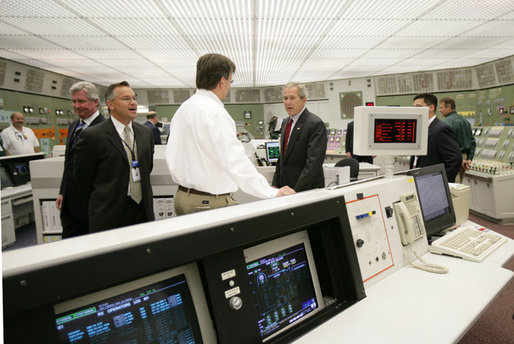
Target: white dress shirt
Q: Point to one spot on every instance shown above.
(203, 151)
(19, 142)
(295, 119)
(90, 119)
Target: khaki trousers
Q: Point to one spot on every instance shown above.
(187, 202)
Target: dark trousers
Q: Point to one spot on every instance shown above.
(73, 226)
(134, 213)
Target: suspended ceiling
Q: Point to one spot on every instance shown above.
(155, 43)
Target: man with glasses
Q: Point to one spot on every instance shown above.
(203, 154)
(18, 139)
(112, 165)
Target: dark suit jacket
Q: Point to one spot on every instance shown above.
(155, 132)
(302, 166)
(101, 171)
(349, 145)
(73, 204)
(442, 148)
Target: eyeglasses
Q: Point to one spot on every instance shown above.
(232, 81)
(127, 98)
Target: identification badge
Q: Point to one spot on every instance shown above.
(135, 163)
(136, 176)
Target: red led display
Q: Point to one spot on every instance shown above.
(395, 131)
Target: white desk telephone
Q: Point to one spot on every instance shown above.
(409, 218)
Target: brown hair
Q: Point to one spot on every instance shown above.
(211, 68)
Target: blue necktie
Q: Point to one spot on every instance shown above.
(76, 133)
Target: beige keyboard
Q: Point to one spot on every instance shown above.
(467, 243)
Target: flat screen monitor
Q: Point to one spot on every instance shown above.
(166, 307)
(20, 171)
(390, 130)
(435, 198)
(283, 279)
(272, 151)
(7, 180)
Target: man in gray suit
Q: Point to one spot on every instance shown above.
(303, 144)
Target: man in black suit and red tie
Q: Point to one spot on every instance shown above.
(303, 144)
(73, 207)
(112, 165)
(442, 141)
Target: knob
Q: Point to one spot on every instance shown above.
(235, 303)
(359, 242)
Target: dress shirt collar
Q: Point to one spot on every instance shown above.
(209, 94)
(295, 117)
(91, 118)
(120, 126)
(430, 120)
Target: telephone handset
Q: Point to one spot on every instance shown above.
(409, 218)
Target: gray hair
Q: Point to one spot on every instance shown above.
(87, 87)
(302, 93)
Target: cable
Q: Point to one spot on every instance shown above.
(429, 267)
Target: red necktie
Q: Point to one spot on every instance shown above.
(286, 137)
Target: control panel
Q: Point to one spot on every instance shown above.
(370, 236)
(336, 143)
(491, 174)
(494, 154)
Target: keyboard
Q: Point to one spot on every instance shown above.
(467, 243)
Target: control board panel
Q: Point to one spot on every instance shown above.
(494, 154)
(336, 143)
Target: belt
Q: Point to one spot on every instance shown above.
(196, 192)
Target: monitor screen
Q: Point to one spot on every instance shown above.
(272, 151)
(7, 180)
(390, 130)
(434, 198)
(283, 279)
(395, 130)
(166, 305)
(20, 171)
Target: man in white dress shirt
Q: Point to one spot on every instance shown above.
(203, 153)
(18, 139)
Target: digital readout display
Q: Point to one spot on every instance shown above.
(395, 130)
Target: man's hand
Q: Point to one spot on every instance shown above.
(466, 164)
(285, 190)
(58, 202)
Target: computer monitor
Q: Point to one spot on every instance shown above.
(272, 151)
(7, 180)
(283, 279)
(20, 171)
(434, 198)
(390, 130)
(169, 305)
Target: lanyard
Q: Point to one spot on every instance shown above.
(135, 163)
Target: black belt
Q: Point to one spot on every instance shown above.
(196, 192)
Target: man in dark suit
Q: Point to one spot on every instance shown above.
(151, 123)
(73, 207)
(442, 142)
(112, 165)
(349, 146)
(303, 144)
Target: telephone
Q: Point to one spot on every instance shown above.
(409, 218)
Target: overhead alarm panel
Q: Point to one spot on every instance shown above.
(384, 130)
